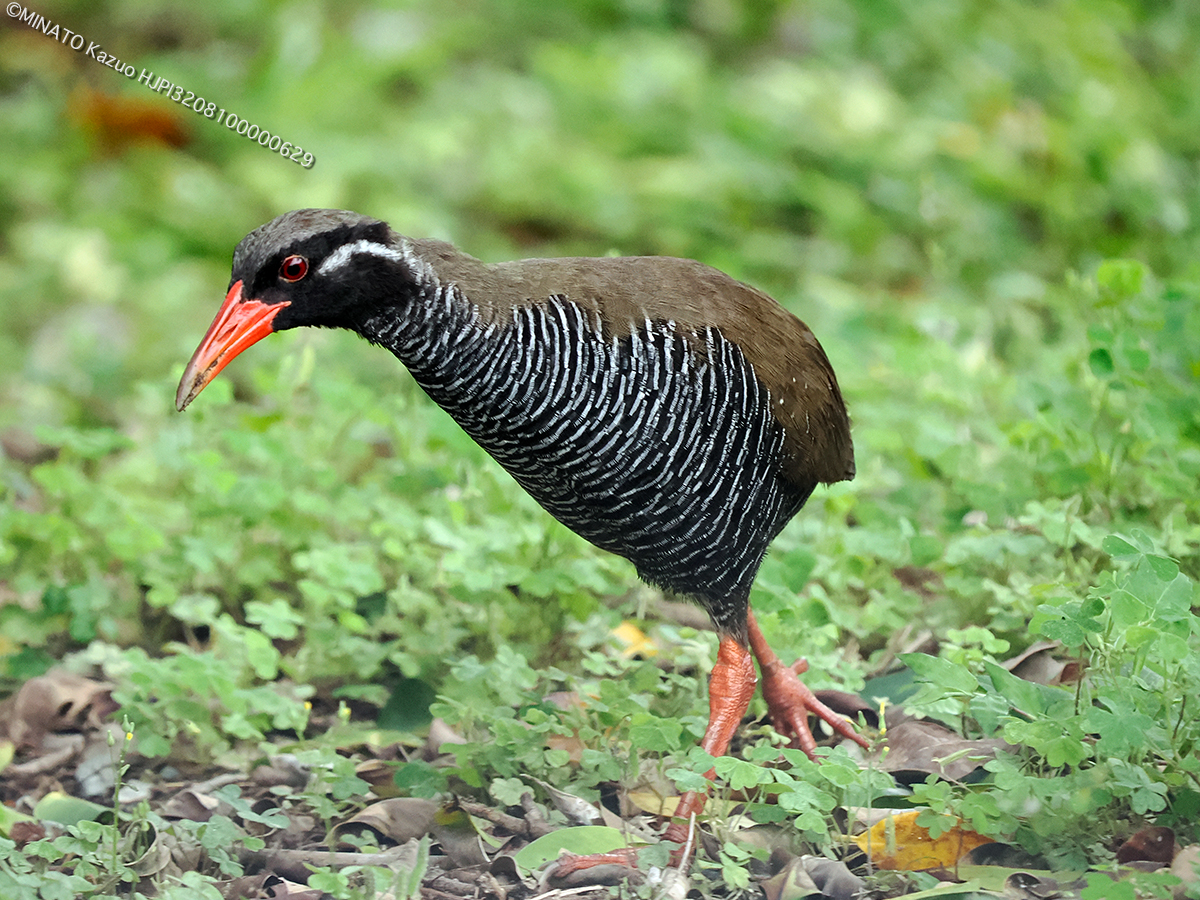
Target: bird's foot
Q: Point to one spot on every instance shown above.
(578, 872)
(789, 701)
(573, 870)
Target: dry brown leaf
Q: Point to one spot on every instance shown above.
(898, 842)
(440, 734)
(577, 810)
(399, 819)
(56, 701)
(282, 769)
(634, 826)
(846, 704)
(1186, 867)
(23, 446)
(297, 865)
(1039, 664)
(22, 832)
(186, 853)
(790, 883)
(568, 742)
(156, 856)
(267, 886)
(191, 805)
(921, 581)
(405, 819)
(380, 775)
(923, 747)
(1155, 843)
(806, 876)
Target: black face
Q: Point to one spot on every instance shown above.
(307, 267)
(326, 264)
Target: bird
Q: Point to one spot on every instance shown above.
(656, 406)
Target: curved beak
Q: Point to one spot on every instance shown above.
(239, 324)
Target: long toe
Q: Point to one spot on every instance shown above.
(789, 702)
(574, 870)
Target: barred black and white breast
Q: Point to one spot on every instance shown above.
(655, 406)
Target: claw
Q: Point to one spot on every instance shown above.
(789, 700)
(574, 870)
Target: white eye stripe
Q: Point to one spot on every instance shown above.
(346, 252)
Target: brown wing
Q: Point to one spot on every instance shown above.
(786, 356)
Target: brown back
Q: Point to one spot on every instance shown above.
(629, 290)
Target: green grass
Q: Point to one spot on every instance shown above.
(987, 212)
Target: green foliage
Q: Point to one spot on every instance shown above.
(23, 875)
(1119, 741)
(95, 860)
(986, 211)
(211, 698)
(354, 882)
(625, 710)
(101, 859)
(627, 717)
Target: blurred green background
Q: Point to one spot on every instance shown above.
(933, 185)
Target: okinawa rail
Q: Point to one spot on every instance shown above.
(655, 406)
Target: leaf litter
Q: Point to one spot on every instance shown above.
(56, 731)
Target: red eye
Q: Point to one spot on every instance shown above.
(293, 268)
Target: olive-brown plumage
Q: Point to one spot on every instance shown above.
(785, 354)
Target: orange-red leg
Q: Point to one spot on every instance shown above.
(789, 700)
(729, 692)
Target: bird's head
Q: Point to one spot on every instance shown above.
(296, 270)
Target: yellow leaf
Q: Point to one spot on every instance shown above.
(654, 803)
(634, 640)
(657, 804)
(898, 842)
